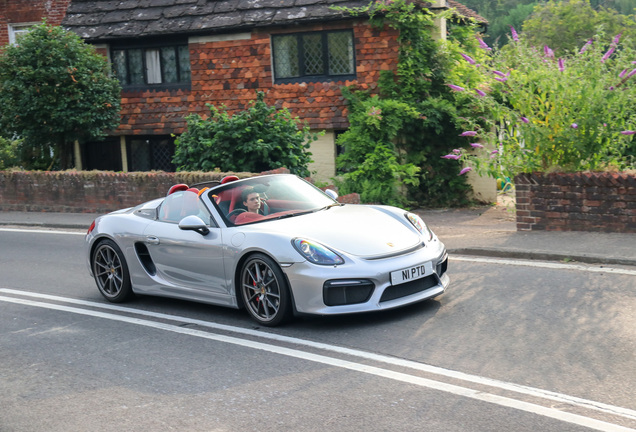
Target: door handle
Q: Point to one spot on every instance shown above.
(152, 240)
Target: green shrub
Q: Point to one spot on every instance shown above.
(571, 113)
(8, 153)
(260, 138)
(394, 147)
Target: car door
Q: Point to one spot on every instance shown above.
(187, 263)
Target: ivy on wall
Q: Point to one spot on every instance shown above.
(397, 137)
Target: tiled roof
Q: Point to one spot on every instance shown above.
(116, 19)
(465, 11)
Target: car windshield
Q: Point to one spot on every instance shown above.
(265, 198)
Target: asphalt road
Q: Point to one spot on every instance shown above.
(512, 346)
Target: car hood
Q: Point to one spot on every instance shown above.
(354, 229)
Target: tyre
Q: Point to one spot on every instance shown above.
(264, 291)
(111, 272)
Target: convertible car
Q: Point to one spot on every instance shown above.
(275, 245)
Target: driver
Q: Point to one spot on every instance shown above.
(251, 200)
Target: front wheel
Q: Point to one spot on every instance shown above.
(264, 291)
(111, 272)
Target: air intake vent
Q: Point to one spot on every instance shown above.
(346, 292)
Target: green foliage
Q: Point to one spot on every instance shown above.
(573, 113)
(258, 139)
(8, 153)
(396, 138)
(499, 26)
(565, 26)
(372, 166)
(55, 89)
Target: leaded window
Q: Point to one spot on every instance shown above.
(315, 56)
(152, 65)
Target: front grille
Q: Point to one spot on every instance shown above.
(346, 292)
(402, 290)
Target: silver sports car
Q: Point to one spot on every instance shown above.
(275, 245)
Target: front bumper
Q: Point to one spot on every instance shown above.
(362, 285)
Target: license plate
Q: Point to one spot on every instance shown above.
(411, 273)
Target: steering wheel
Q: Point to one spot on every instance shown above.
(234, 213)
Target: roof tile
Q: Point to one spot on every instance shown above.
(112, 19)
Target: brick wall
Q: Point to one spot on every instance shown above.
(604, 202)
(29, 11)
(229, 72)
(97, 191)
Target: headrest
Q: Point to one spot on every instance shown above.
(177, 188)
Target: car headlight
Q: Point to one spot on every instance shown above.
(419, 225)
(316, 253)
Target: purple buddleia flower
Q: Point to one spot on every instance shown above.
(476, 145)
(561, 65)
(515, 36)
(622, 74)
(631, 74)
(525, 120)
(465, 170)
(494, 152)
(628, 132)
(480, 93)
(483, 44)
(499, 73)
(548, 52)
(500, 79)
(586, 46)
(616, 39)
(574, 126)
(468, 133)
(456, 87)
(607, 54)
(468, 58)
(451, 156)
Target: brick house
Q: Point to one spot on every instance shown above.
(175, 56)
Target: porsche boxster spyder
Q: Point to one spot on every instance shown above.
(275, 245)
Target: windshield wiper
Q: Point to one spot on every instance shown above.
(288, 215)
(336, 204)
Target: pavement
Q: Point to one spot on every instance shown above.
(488, 231)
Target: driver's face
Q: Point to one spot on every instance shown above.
(253, 202)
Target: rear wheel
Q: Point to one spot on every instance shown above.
(264, 291)
(111, 272)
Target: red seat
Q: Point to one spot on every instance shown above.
(247, 217)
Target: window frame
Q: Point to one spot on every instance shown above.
(15, 29)
(325, 58)
(182, 83)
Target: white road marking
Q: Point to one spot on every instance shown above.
(544, 264)
(41, 231)
(398, 376)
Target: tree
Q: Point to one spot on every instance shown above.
(566, 25)
(258, 139)
(55, 89)
(499, 26)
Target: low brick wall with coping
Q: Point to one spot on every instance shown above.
(603, 202)
(98, 191)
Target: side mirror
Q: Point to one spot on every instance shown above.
(194, 223)
(331, 193)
